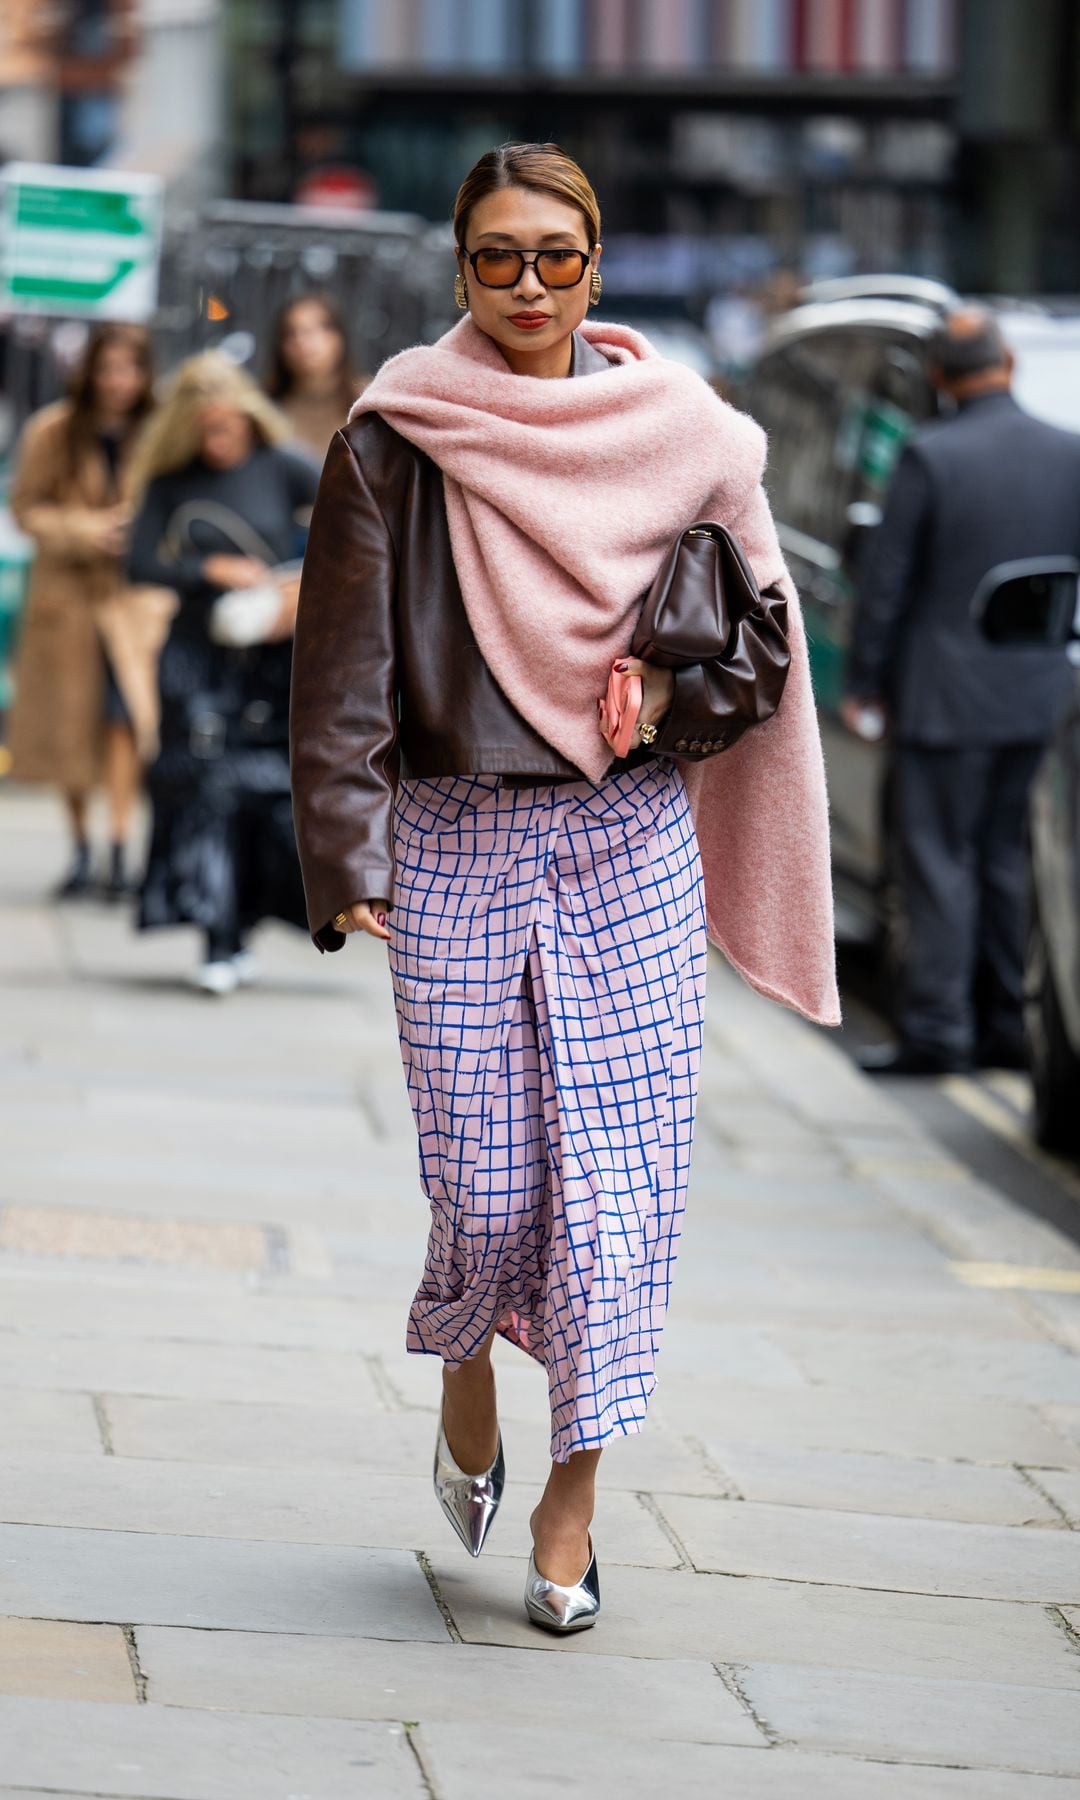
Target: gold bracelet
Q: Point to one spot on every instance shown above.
(341, 921)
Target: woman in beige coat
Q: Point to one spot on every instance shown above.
(85, 696)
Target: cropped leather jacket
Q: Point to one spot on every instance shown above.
(388, 681)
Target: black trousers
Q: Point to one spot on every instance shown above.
(960, 816)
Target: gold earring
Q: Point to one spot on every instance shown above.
(596, 287)
(461, 293)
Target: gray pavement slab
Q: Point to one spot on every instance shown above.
(973, 1222)
(1065, 1420)
(909, 1361)
(138, 1578)
(165, 1753)
(594, 1766)
(913, 1423)
(914, 1487)
(918, 1556)
(230, 1433)
(1058, 1314)
(1064, 1488)
(746, 1293)
(208, 1371)
(301, 1506)
(33, 1421)
(974, 1723)
(449, 1683)
(717, 1618)
(242, 1314)
(887, 1246)
(258, 1433)
(741, 1352)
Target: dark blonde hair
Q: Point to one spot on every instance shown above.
(171, 439)
(544, 168)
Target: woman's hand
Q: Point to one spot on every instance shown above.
(234, 571)
(657, 691)
(285, 623)
(107, 530)
(365, 915)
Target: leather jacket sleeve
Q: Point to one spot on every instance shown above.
(343, 715)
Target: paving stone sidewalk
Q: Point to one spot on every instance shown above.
(842, 1563)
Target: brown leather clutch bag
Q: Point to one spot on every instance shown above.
(704, 612)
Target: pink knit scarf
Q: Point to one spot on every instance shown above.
(562, 498)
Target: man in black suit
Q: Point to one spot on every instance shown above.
(986, 486)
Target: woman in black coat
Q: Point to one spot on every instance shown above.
(221, 503)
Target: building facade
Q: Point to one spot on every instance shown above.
(840, 134)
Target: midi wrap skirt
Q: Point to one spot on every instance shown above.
(548, 960)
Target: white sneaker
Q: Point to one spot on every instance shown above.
(246, 968)
(215, 978)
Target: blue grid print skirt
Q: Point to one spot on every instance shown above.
(548, 961)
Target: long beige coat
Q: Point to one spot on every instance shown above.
(78, 610)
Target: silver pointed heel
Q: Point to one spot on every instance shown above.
(470, 1502)
(563, 1609)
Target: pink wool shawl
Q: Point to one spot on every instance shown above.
(562, 498)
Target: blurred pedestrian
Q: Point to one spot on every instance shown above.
(311, 379)
(86, 686)
(220, 498)
(478, 553)
(969, 720)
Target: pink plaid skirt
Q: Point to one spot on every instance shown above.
(548, 960)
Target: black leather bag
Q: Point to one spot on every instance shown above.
(705, 618)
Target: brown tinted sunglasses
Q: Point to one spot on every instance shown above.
(499, 268)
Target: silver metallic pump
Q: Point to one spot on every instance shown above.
(470, 1502)
(563, 1609)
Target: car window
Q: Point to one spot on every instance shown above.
(803, 395)
(838, 407)
(898, 397)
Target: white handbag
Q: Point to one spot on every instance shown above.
(244, 616)
(239, 617)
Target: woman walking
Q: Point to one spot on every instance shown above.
(220, 504)
(311, 380)
(485, 530)
(86, 700)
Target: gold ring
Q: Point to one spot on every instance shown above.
(341, 920)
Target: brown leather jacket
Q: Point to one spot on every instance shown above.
(388, 680)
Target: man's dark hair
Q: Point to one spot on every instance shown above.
(956, 354)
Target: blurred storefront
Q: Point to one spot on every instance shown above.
(842, 134)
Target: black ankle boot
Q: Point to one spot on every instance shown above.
(77, 880)
(118, 885)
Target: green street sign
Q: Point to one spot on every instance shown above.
(80, 243)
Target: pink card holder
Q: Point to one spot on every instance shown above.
(620, 707)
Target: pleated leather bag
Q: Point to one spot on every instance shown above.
(704, 616)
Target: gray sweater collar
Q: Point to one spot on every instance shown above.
(585, 358)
